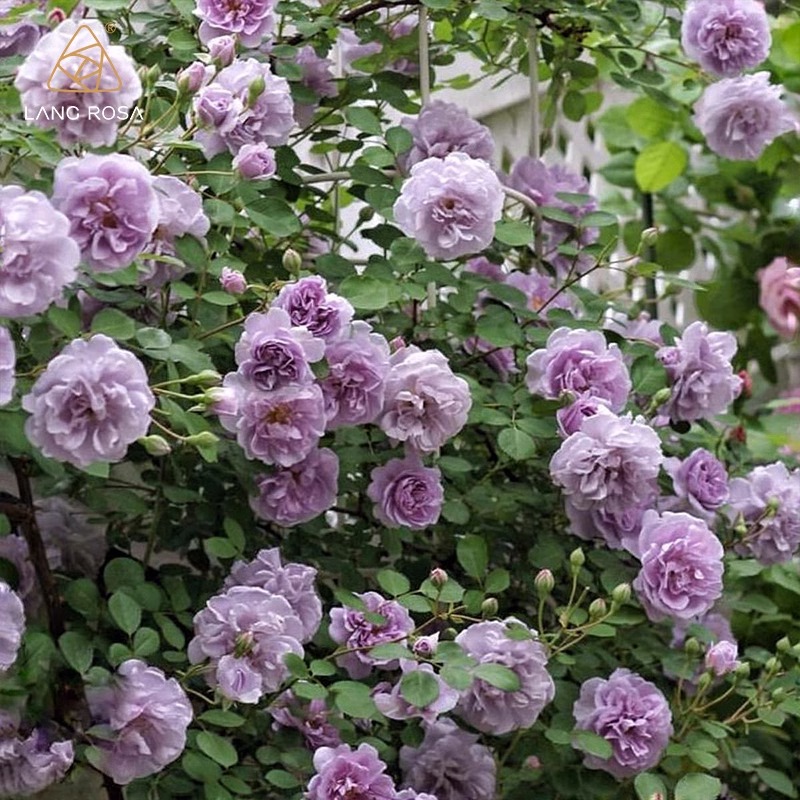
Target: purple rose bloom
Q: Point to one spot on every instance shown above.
(480, 265)
(701, 377)
(631, 714)
(8, 362)
(571, 417)
(234, 119)
(349, 627)
(681, 574)
(30, 765)
(295, 583)
(255, 162)
(392, 704)
(494, 710)
(12, 626)
(278, 427)
(700, 481)
(443, 128)
(299, 493)
(232, 281)
(642, 328)
(450, 205)
(343, 773)
(74, 543)
(726, 37)
(357, 367)
(310, 717)
(69, 108)
(14, 548)
(406, 493)
(273, 354)
(722, 657)
(410, 794)
(192, 78)
(717, 629)
(500, 359)
(91, 402)
(144, 716)
(252, 21)
(352, 48)
(618, 529)
(309, 303)
(317, 78)
(768, 501)
(425, 404)
(740, 116)
(611, 461)
(450, 763)
(111, 205)
(246, 632)
(540, 289)
(582, 363)
(39, 258)
(222, 49)
(17, 38)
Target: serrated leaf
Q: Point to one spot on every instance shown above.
(697, 786)
(114, 323)
(125, 612)
(393, 582)
(516, 443)
(217, 748)
(77, 650)
(499, 676)
(649, 787)
(419, 688)
(592, 743)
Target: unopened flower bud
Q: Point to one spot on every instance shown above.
(704, 681)
(773, 505)
(448, 634)
(796, 650)
(438, 577)
(783, 645)
(691, 646)
(576, 559)
(778, 694)
(292, 261)
(398, 343)
(747, 383)
(155, 445)
(366, 213)
(191, 79)
(597, 608)
(621, 594)
(255, 90)
(544, 582)
(661, 397)
(207, 377)
(153, 74)
(222, 49)
(649, 237)
(532, 762)
(489, 607)
(232, 281)
(740, 528)
(772, 665)
(738, 434)
(56, 17)
(743, 670)
(202, 439)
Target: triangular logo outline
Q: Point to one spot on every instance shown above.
(90, 70)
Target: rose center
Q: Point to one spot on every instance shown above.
(278, 415)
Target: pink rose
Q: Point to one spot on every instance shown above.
(780, 296)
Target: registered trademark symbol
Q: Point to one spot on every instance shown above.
(111, 27)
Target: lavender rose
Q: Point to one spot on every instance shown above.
(571, 417)
(391, 703)
(298, 493)
(295, 583)
(722, 657)
(8, 362)
(406, 493)
(14, 548)
(351, 628)
(780, 296)
(740, 116)
(450, 205)
(29, 765)
(255, 162)
(111, 205)
(311, 718)
(726, 37)
(12, 626)
(222, 49)
(540, 291)
(700, 481)
(425, 404)
(681, 574)
(75, 543)
(450, 763)
(91, 402)
(309, 303)
(39, 258)
(17, 38)
(619, 529)
(251, 21)
(343, 772)
(232, 281)
(246, 632)
(579, 362)
(144, 716)
(631, 714)
(701, 377)
(494, 710)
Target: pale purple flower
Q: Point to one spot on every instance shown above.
(480, 265)
(571, 417)
(350, 627)
(255, 162)
(233, 119)
(450, 764)
(273, 354)
(82, 121)
(75, 543)
(19, 37)
(8, 361)
(192, 78)
(701, 377)
(222, 49)
(309, 303)
(740, 116)
(29, 765)
(611, 462)
(450, 205)
(246, 632)
(358, 363)
(717, 629)
(111, 205)
(297, 494)
(700, 481)
(500, 359)
(768, 500)
(251, 20)
(726, 37)
(631, 714)
(310, 717)
(779, 295)
(579, 362)
(144, 716)
(91, 402)
(391, 703)
(619, 529)
(722, 657)
(12, 626)
(641, 328)
(426, 646)
(352, 48)
(37, 255)
(410, 794)
(425, 404)
(406, 493)
(443, 128)
(540, 290)
(343, 773)
(494, 710)
(681, 574)
(317, 75)
(14, 548)
(232, 281)
(295, 583)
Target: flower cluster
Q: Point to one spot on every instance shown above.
(29, 764)
(251, 21)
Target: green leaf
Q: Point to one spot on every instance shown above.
(282, 779)
(473, 555)
(778, 781)
(275, 216)
(456, 677)
(83, 596)
(217, 298)
(513, 233)
(393, 582)
(697, 786)
(146, 642)
(354, 699)
(399, 139)
(497, 581)
(516, 443)
(499, 676)
(217, 748)
(114, 323)
(658, 165)
(200, 768)
(363, 119)
(65, 320)
(649, 118)
(368, 293)
(592, 743)
(221, 718)
(125, 612)
(392, 650)
(419, 688)
(77, 650)
(122, 572)
(649, 787)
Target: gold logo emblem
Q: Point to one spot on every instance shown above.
(87, 65)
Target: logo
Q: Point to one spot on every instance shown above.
(86, 63)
